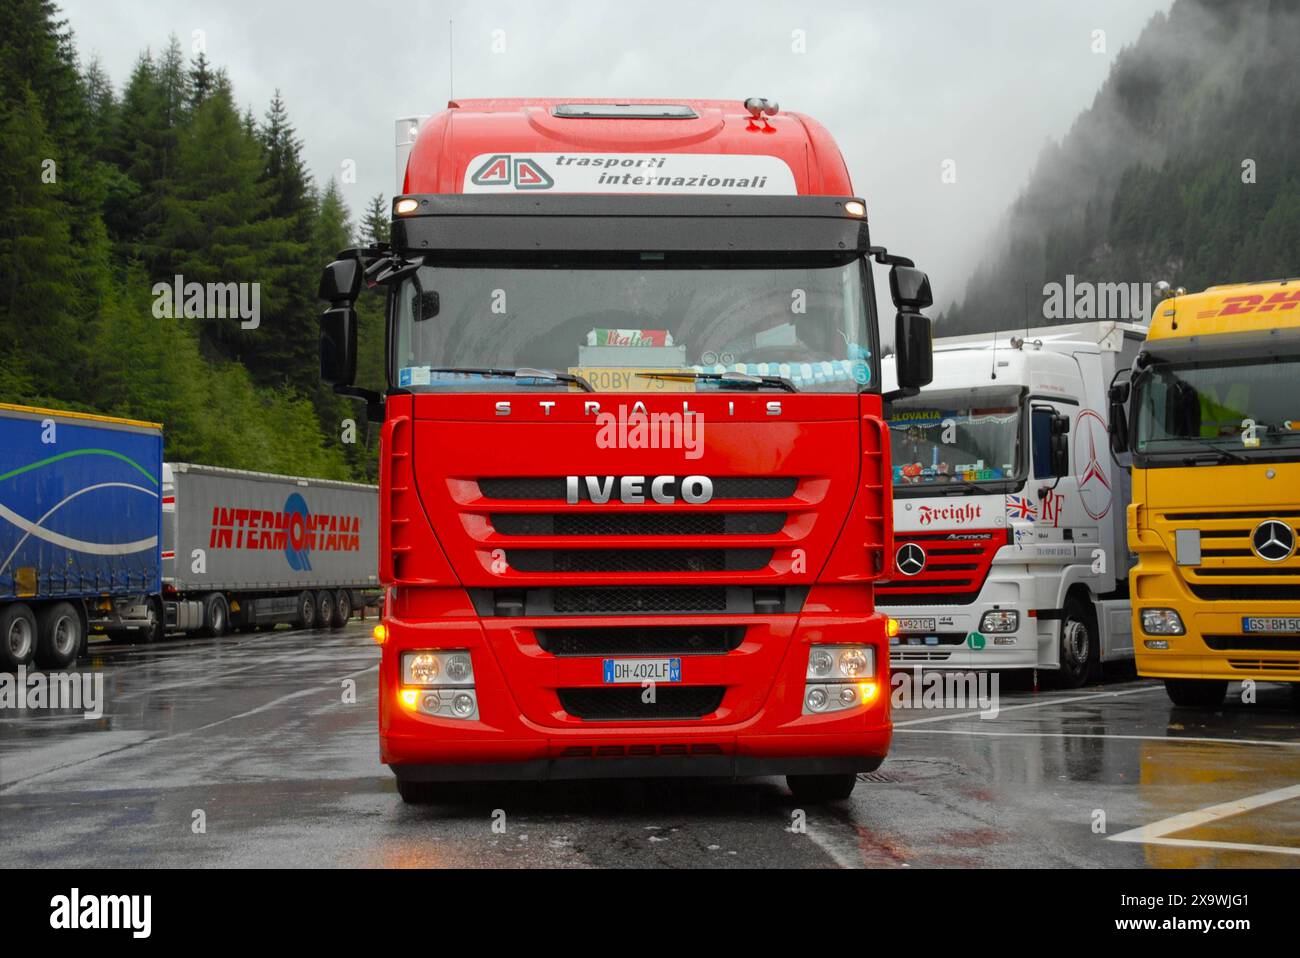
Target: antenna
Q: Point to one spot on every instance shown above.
(1026, 311)
(451, 59)
(993, 373)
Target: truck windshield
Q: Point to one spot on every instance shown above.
(1249, 408)
(612, 320)
(941, 446)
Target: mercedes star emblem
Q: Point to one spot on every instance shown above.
(910, 559)
(1273, 541)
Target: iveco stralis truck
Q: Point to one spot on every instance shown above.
(1213, 425)
(633, 496)
(1008, 507)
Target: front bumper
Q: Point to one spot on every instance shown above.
(954, 643)
(1216, 646)
(522, 732)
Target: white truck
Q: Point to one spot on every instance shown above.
(1010, 544)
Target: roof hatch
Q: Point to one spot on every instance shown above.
(624, 111)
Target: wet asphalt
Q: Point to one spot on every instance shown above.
(249, 752)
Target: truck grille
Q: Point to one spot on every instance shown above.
(956, 565)
(671, 640)
(1253, 643)
(553, 487)
(598, 601)
(638, 560)
(625, 704)
(639, 523)
(1266, 665)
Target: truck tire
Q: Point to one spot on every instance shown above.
(324, 609)
(58, 636)
(342, 609)
(817, 789)
(416, 793)
(1080, 648)
(306, 616)
(17, 636)
(156, 631)
(1196, 693)
(216, 615)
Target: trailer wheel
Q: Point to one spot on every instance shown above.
(324, 609)
(342, 609)
(817, 789)
(306, 616)
(1196, 693)
(1080, 651)
(17, 636)
(59, 636)
(157, 627)
(216, 615)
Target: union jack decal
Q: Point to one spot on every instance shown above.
(1021, 507)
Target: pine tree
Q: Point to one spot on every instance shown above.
(375, 223)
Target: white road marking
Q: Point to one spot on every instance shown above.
(1157, 833)
(1135, 738)
(1092, 697)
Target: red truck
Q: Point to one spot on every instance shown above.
(634, 476)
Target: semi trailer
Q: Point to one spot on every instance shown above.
(1211, 418)
(99, 536)
(1009, 509)
(633, 471)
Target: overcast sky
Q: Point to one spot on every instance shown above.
(903, 87)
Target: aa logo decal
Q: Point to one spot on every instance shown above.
(520, 173)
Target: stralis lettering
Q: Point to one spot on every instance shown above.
(968, 512)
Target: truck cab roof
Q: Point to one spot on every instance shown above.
(553, 145)
(1249, 313)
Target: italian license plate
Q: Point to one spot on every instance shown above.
(636, 671)
(915, 625)
(1265, 623)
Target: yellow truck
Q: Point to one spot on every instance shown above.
(1211, 418)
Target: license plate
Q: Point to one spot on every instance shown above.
(916, 625)
(1263, 623)
(636, 671)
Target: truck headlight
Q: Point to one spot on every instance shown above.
(426, 667)
(1162, 622)
(1000, 621)
(832, 662)
(839, 677)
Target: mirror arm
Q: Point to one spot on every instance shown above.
(886, 258)
(374, 401)
(905, 392)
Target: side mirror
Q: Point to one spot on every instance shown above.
(1119, 396)
(910, 289)
(338, 345)
(1060, 446)
(914, 350)
(340, 282)
(1050, 441)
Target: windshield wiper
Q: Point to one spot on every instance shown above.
(1220, 453)
(727, 378)
(524, 372)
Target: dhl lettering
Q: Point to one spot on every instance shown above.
(1241, 305)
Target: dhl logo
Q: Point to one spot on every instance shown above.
(1255, 303)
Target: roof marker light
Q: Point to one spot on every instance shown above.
(403, 207)
(855, 208)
